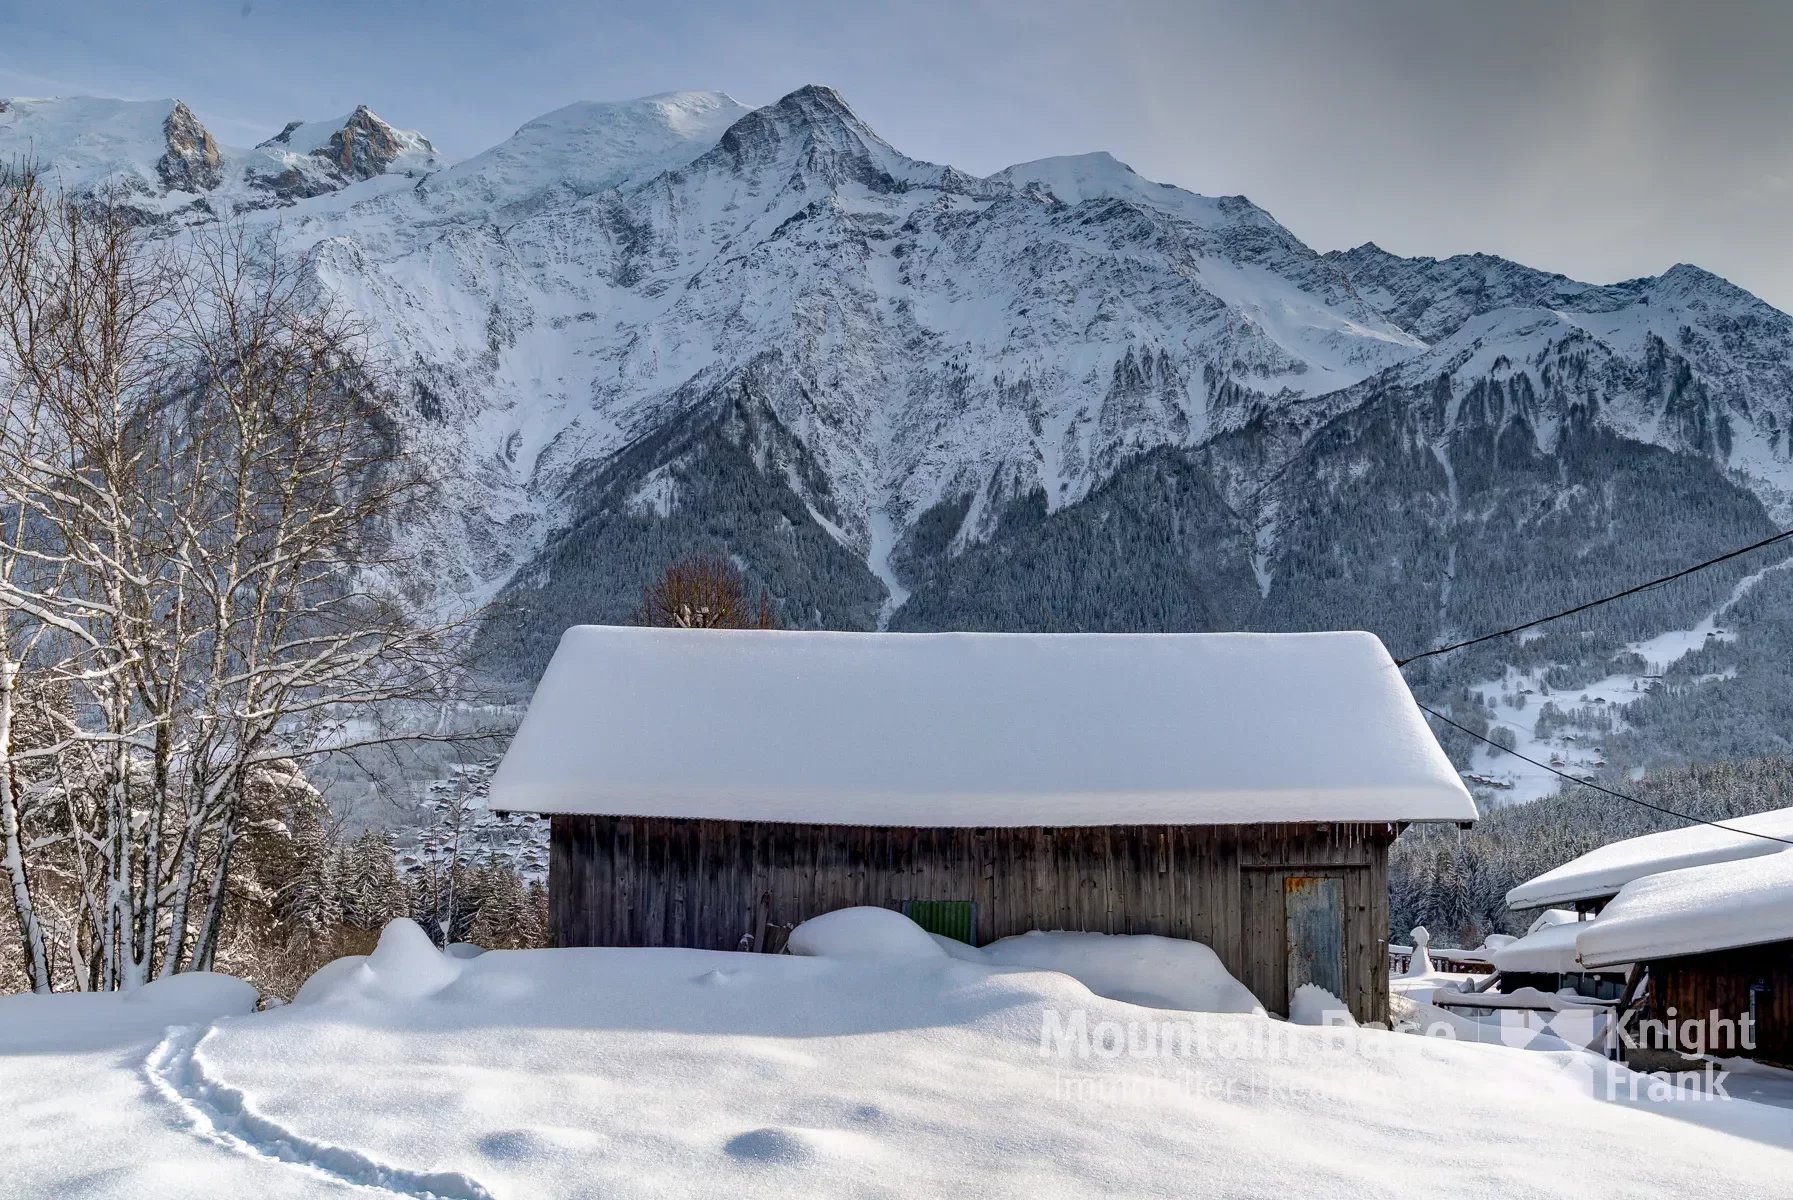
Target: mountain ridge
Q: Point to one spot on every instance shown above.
(907, 396)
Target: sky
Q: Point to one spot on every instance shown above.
(1605, 139)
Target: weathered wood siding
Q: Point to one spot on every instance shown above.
(725, 885)
(1699, 986)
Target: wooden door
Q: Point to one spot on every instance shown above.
(1314, 908)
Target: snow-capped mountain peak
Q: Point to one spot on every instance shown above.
(1685, 359)
(158, 157)
(591, 146)
(1697, 288)
(360, 145)
(87, 141)
(813, 130)
(628, 317)
(1074, 178)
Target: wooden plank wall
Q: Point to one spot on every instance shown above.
(632, 881)
(1700, 985)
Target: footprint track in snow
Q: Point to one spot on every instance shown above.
(222, 1114)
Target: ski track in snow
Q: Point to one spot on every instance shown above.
(221, 1114)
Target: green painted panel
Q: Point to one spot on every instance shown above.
(956, 919)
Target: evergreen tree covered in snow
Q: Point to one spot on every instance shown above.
(312, 906)
(1455, 882)
(372, 893)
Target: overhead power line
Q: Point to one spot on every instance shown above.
(1669, 812)
(1782, 536)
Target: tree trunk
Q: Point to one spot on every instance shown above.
(12, 850)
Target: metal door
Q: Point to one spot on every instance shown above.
(1315, 907)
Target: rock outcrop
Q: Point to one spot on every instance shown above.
(192, 162)
(365, 146)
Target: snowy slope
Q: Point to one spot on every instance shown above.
(1684, 359)
(88, 141)
(1267, 277)
(674, 1072)
(589, 147)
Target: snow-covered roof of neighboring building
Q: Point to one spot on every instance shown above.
(1553, 916)
(1550, 949)
(1604, 871)
(966, 729)
(1718, 906)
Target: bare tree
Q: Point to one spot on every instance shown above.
(705, 592)
(83, 327)
(201, 483)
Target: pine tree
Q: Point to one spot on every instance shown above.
(424, 903)
(373, 894)
(313, 906)
(503, 918)
(536, 908)
(461, 902)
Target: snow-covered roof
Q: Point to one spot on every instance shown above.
(977, 729)
(1550, 949)
(1718, 906)
(1604, 871)
(1553, 916)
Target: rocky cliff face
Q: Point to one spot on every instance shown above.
(365, 146)
(192, 162)
(1685, 359)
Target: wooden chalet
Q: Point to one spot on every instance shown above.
(714, 788)
(1700, 920)
(1545, 960)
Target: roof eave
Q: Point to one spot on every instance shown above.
(1649, 956)
(1556, 899)
(535, 809)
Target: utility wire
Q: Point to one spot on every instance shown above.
(1596, 787)
(1782, 536)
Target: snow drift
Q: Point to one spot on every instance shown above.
(683, 1072)
(1143, 969)
(863, 932)
(405, 965)
(90, 1020)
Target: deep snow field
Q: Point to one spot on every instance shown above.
(873, 1065)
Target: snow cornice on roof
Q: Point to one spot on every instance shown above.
(1602, 872)
(974, 729)
(1698, 910)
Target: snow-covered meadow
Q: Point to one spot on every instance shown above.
(876, 1064)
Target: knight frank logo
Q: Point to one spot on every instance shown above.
(1689, 1036)
(1664, 1057)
